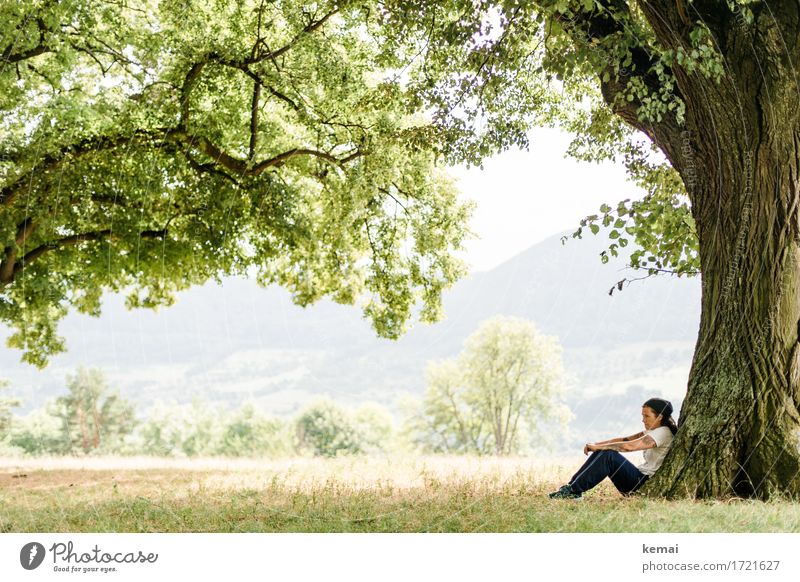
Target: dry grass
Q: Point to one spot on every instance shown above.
(346, 494)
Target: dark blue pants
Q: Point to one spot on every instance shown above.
(601, 464)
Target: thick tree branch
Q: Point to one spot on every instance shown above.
(668, 19)
(24, 230)
(272, 55)
(9, 262)
(243, 167)
(210, 169)
(188, 84)
(351, 157)
(74, 151)
(672, 20)
(8, 55)
(282, 158)
(614, 20)
(159, 139)
(36, 253)
(254, 119)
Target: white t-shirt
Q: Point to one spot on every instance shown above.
(654, 457)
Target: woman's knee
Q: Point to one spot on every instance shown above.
(609, 456)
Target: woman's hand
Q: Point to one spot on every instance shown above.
(589, 447)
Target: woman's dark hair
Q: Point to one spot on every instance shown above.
(664, 408)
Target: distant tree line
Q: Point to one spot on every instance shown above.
(91, 419)
(500, 396)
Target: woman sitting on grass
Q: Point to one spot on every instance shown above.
(606, 461)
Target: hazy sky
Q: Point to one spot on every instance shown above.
(525, 196)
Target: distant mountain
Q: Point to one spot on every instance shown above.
(237, 341)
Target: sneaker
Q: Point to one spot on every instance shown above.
(565, 492)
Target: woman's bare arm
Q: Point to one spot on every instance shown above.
(633, 437)
(611, 442)
(640, 444)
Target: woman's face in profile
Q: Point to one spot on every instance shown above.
(650, 419)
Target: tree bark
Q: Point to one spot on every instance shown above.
(739, 431)
(740, 423)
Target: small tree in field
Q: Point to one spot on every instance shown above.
(494, 396)
(90, 418)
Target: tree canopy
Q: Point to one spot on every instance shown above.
(150, 145)
(147, 146)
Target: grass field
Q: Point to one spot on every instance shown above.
(387, 494)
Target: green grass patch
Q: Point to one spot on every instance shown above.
(346, 495)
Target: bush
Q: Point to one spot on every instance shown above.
(248, 433)
(324, 429)
(39, 433)
(201, 430)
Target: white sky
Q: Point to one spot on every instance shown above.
(524, 197)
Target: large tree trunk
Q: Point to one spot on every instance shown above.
(740, 427)
(739, 432)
